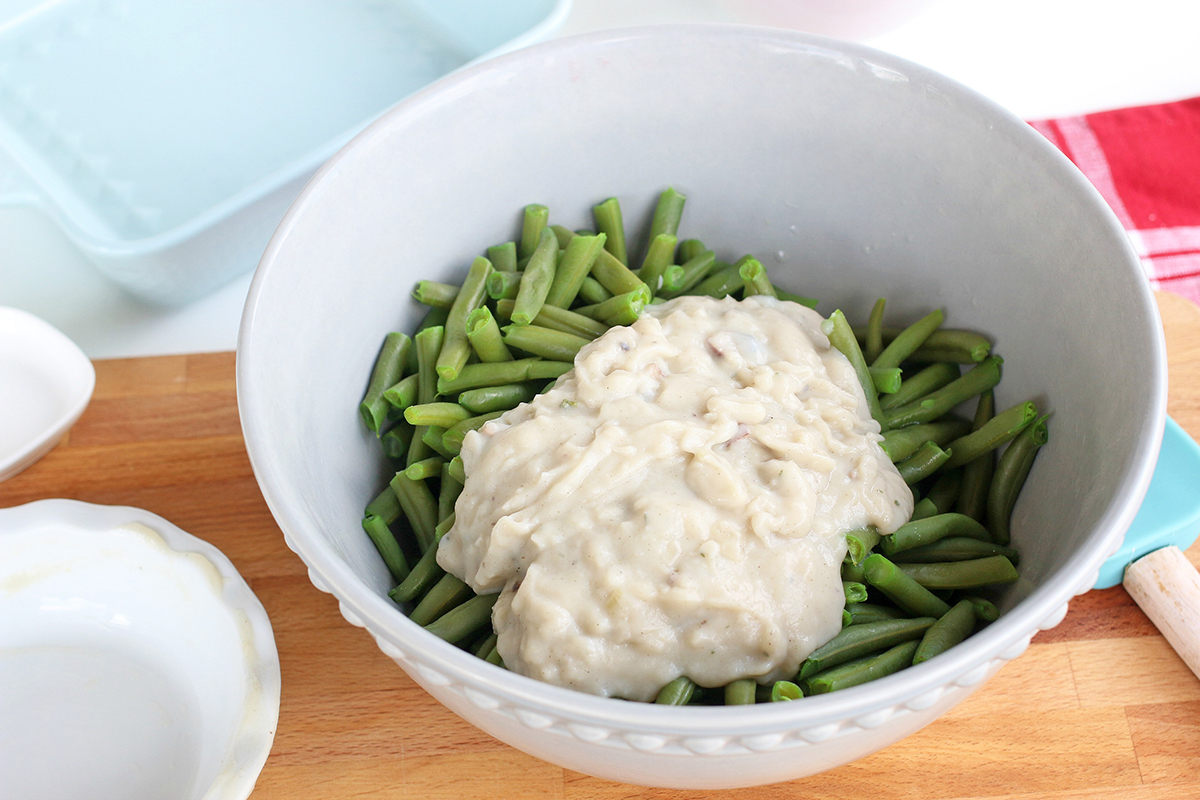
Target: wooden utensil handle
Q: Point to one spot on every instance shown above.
(1167, 587)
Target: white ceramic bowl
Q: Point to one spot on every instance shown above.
(46, 383)
(853, 175)
(134, 660)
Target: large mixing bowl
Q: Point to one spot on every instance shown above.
(852, 174)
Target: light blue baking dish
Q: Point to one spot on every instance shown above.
(168, 138)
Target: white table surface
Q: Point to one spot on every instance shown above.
(1039, 58)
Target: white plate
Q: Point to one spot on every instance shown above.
(134, 660)
(45, 384)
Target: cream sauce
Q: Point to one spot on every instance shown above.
(676, 505)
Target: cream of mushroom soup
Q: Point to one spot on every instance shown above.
(676, 504)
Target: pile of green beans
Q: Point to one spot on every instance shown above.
(513, 327)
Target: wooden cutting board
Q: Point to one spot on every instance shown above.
(1099, 707)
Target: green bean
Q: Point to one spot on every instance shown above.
(658, 257)
(886, 381)
(901, 589)
(397, 441)
(693, 271)
(385, 506)
(862, 640)
(591, 292)
(667, 213)
(982, 377)
(432, 293)
(532, 224)
(901, 443)
(985, 610)
(672, 278)
(689, 249)
(418, 449)
(955, 548)
(536, 281)
(484, 335)
(807, 302)
(389, 365)
(455, 470)
(676, 693)
(782, 691)
(852, 573)
(962, 574)
(455, 348)
(874, 339)
(719, 282)
(945, 489)
(444, 595)
(419, 506)
(424, 470)
(862, 613)
(860, 542)
(439, 414)
(841, 337)
(563, 236)
(924, 382)
(754, 277)
(909, 340)
(388, 547)
(923, 463)
(504, 285)
(847, 619)
(576, 263)
(497, 398)
(740, 692)
(453, 438)
(931, 529)
(494, 658)
(460, 622)
(503, 256)
(485, 645)
(977, 475)
(426, 571)
(855, 592)
(539, 341)
(948, 631)
(962, 347)
(1011, 471)
(448, 491)
(622, 309)
(560, 319)
(608, 221)
(403, 393)
(923, 509)
(863, 670)
(1000, 430)
(614, 275)
(432, 437)
(475, 376)
(433, 318)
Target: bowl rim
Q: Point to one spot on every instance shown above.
(1004, 639)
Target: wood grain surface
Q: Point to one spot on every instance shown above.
(1099, 708)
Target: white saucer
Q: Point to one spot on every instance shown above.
(45, 384)
(134, 660)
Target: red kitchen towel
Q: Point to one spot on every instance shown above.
(1145, 162)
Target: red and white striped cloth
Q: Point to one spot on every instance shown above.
(1145, 162)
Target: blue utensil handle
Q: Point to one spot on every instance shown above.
(1170, 512)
